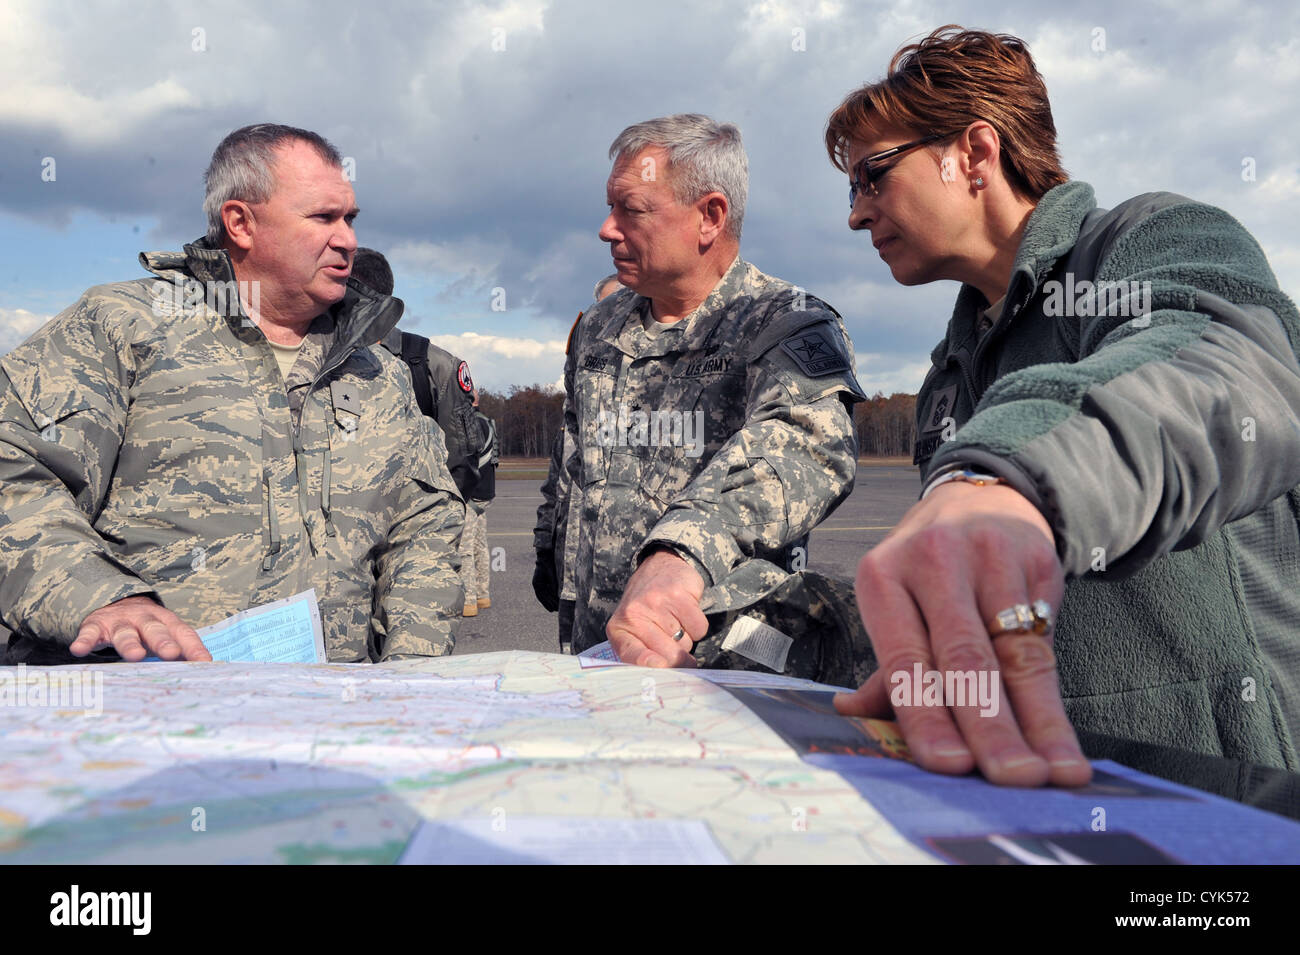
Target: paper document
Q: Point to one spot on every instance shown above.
(563, 840)
(601, 655)
(284, 631)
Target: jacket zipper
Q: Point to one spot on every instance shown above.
(298, 449)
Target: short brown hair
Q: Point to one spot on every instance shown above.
(949, 80)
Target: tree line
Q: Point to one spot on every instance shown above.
(528, 418)
(886, 426)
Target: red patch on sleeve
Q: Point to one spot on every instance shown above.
(463, 379)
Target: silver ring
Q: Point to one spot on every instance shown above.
(679, 634)
(1023, 618)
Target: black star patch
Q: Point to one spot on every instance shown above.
(816, 351)
(810, 347)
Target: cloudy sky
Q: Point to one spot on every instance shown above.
(479, 134)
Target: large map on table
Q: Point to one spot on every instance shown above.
(495, 757)
(530, 757)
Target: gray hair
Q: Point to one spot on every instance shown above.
(241, 168)
(703, 156)
(602, 283)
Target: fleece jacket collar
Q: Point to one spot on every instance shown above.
(1051, 232)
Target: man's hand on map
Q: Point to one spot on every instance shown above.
(662, 596)
(136, 627)
(928, 594)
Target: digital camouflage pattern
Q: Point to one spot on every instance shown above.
(475, 567)
(770, 370)
(568, 532)
(149, 445)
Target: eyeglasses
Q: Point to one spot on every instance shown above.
(864, 177)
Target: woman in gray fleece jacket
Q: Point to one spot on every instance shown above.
(1109, 441)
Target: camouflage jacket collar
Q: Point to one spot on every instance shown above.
(625, 332)
(363, 317)
(1051, 232)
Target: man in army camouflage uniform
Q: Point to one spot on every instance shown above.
(708, 407)
(222, 434)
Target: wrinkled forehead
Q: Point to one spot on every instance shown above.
(641, 170)
(300, 173)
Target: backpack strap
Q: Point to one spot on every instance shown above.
(415, 352)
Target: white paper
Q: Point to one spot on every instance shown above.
(756, 641)
(502, 838)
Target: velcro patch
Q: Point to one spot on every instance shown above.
(463, 379)
(816, 351)
(345, 397)
(925, 448)
(940, 410)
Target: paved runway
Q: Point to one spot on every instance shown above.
(516, 621)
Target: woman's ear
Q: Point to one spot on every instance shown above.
(981, 154)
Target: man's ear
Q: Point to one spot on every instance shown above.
(240, 223)
(714, 211)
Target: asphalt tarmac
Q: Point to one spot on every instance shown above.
(516, 621)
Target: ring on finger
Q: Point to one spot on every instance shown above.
(1023, 618)
(679, 634)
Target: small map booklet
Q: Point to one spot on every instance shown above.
(283, 631)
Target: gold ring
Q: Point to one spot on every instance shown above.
(1023, 618)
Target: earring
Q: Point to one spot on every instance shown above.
(979, 182)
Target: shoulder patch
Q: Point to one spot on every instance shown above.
(463, 379)
(572, 328)
(940, 411)
(816, 351)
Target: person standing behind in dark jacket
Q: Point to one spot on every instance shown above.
(475, 567)
(1116, 404)
(442, 381)
(556, 535)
